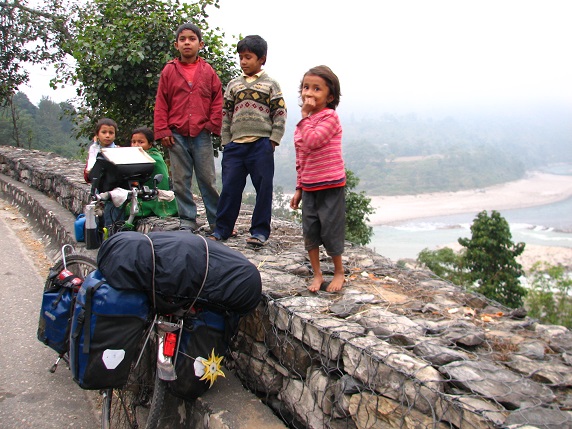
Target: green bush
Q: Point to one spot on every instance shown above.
(548, 298)
(445, 263)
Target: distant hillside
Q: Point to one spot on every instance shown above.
(409, 154)
(390, 154)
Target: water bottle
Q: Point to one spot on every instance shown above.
(92, 240)
(79, 226)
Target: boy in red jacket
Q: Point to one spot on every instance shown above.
(188, 110)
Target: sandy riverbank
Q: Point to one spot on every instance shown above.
(534, 253)
(535, 190)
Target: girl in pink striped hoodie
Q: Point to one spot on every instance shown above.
(321, 177)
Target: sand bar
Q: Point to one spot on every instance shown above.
(535, 190)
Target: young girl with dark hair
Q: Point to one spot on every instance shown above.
(321, 177)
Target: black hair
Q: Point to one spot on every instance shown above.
(255, 44)
(189, 26)
(106, 121)
(331, 80)
(146, 132)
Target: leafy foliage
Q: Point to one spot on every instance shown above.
(28, 35)
(490, 257)
(281, 205)
(358, 207)
(445, 263)
(549, 296)
(120, 48)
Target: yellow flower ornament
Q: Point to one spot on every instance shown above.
(208, 369)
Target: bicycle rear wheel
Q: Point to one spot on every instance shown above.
(129, 406)
(80, 265)
(157, 403)
(106, 396)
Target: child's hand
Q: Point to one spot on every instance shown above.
(308, 107)
(295, 201)
(168, 141)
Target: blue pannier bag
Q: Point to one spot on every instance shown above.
(58, 301)
(107, 328)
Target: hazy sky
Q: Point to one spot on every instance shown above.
(407, 55)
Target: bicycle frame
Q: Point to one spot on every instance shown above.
(163, 325)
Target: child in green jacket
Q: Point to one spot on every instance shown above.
(143, 137)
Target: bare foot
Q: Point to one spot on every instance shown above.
(336, 283)
(316, 283)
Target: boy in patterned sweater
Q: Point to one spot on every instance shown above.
(254, 120)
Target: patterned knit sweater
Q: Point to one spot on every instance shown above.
(318, 143)
(253, 109)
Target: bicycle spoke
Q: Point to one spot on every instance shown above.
(130, 405)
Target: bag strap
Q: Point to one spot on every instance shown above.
(153, 272)
(204, 278)
(87, 321)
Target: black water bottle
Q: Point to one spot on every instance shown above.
(92, 239)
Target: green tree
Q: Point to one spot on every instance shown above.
(445, 263)
(17, 123)
(491, 259)
(120, 48)
(548, 298)
(358, 207)
(28, 35)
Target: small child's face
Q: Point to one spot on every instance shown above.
(315, 93)
(139, 140)
(106, 135)
(250, 63)
(188, 45)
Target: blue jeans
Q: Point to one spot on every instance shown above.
(112, 214)
(196, 153)
(238, 161)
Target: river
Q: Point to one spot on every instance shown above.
(547, 225)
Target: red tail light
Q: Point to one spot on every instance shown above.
(170, 344)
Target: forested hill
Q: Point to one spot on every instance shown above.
(391, 154)
(410, 154)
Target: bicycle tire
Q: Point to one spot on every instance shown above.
(80, 265)
(106, 408)
(130, 405)
(159, 389)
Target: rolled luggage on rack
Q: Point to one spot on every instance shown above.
(171, 267)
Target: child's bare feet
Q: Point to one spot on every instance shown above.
(336, 283)
(316, 283)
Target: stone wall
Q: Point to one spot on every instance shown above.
(397, 348)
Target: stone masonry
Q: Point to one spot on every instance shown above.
(398, 347)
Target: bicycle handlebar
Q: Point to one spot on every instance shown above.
(137, 191)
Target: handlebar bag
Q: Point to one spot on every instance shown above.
(56, 311)
(203, 334)
(115, 167)
(107, 326)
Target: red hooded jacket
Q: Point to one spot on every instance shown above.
(184, 108)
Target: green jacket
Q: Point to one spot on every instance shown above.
(154, 207)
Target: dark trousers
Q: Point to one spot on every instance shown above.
(240, 160)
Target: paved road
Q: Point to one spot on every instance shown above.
(30, 396)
